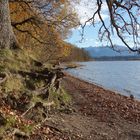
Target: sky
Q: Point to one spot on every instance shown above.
(85, 10)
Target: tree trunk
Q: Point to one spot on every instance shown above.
(7, 38)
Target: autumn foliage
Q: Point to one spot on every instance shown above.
(42, 33)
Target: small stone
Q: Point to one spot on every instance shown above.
(132, 97)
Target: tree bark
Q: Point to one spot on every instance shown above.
(7, 37)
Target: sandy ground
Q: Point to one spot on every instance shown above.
(97, 114)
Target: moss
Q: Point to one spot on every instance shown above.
(48, 65)
(30, 84)
(14, 60)
(10, 63)
(14, 83)
(28, 129)
(56, 99)
(60, 98)
(11, 121)
(36, 99)
(33, 84)
(64, 96)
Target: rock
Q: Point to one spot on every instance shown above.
(3, 121)
(132, 97)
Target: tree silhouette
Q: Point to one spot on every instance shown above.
(124, 21)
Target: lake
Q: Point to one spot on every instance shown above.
(119, 76)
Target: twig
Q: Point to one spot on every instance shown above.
(28, 110)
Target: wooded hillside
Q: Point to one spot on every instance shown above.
(32, 43)
(32, 37)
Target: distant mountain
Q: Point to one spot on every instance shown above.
(105, 52)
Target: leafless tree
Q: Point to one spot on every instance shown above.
(124, 22)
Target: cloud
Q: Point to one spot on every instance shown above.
(86, 8)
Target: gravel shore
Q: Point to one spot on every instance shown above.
(99, 114)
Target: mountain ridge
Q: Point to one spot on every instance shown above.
(105, 51)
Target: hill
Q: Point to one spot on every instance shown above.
(106, 53)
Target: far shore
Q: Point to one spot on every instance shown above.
(100, 114)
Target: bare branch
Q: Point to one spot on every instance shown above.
(123, 25)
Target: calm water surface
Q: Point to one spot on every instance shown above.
(120, 76)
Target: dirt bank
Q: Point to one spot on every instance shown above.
(98, 114)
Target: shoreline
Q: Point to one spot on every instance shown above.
(99, 113)
(101, 87)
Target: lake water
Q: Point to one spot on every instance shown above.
(119, 76)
